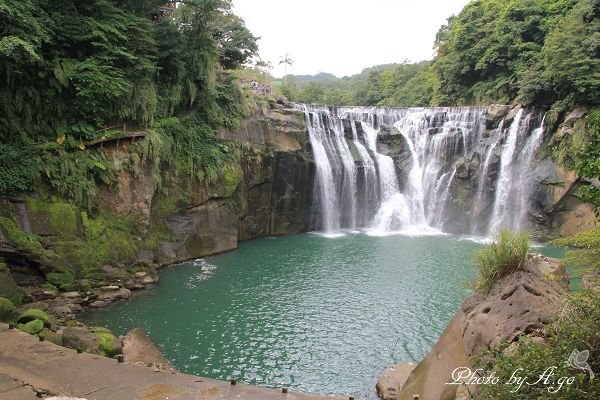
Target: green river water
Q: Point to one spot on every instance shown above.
(315, 314)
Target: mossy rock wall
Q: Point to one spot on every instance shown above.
(266, 191)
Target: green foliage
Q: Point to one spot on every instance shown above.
(576, 329)
(504, 256)
(196, 150)
(237, 43)
(71, 172)
(572, 54)
(585, 249)
(70, 63)
(18, 169)
(588, 167)
(74, 175)
(61, 280)
(393, 85)
(535, 51)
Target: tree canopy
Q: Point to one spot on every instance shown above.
(66, 63)
(74, 70)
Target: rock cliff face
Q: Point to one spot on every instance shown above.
(137, 227)
(518, 304)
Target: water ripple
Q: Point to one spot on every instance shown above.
(311, 313)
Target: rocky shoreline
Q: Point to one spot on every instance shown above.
(52, 316)
(31, 369)
(520, 304)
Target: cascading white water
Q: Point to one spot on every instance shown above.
(483, 177)
(438, 177)
(514, 183)
(527, 156)
(505, 179)
(327, 191)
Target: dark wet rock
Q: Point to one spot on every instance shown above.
(510, 116)
(494, 115)
(462, 169)
(105, 298)
(43, 294)
(474, 165)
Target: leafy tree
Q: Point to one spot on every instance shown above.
(286, 60)
(236, 43)
(533, 51)
(572, 54)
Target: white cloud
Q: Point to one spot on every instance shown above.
(343, 37)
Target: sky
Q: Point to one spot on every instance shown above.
(343, 37)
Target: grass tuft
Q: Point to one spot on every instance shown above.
(505, 255)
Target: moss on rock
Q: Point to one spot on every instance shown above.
(62, 280)
(61, 216)
(34, 314)
(108, 344)
(7, 309)
(79, 338)
(22, 241)
(32, 327)
(231, 178)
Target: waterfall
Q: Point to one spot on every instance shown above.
(506, 182)
(483, 178)
(514, 183)
(421, 170)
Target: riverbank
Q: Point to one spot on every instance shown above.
(28, 366)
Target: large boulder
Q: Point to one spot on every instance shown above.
(523, 303)
(494, 115)
(109, 345)
(80, 339)
(93, 340)
(106, 297)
